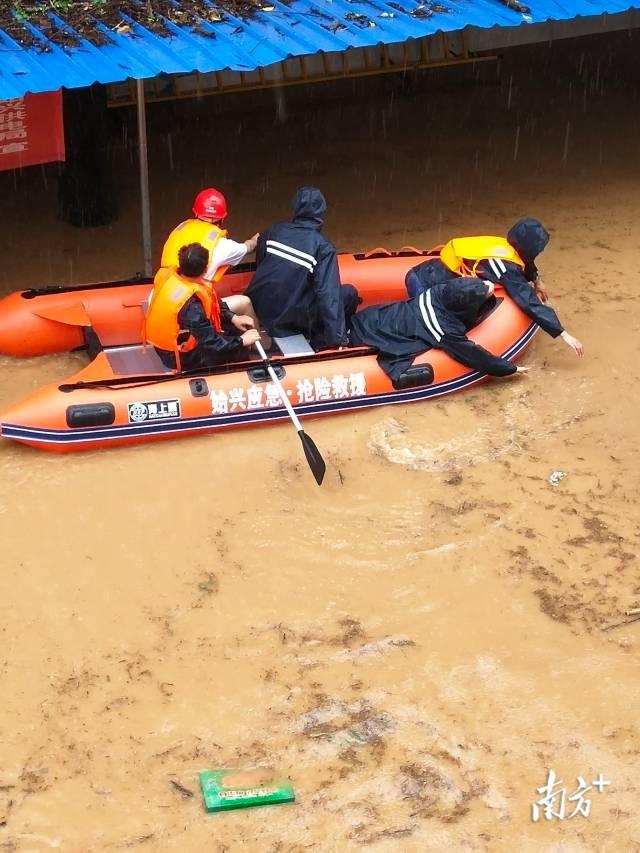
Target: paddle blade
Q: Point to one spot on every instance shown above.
(314, 457)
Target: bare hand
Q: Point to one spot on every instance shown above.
(516, 372)
(251, 243)
(572, 342)
(242, 322)
(250, 337)
(541, 290)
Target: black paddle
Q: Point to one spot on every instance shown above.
(314, 457)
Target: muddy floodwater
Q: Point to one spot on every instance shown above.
(418, 642)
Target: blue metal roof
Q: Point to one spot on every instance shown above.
(298, 28)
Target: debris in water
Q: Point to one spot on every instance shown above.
(184, 792)
(133, 842)
(210, 585)
(377, 647)
(357, 737)
(555, 477)
(620, 624)
(230, 789)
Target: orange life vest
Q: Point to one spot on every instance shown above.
(170, 293)
(193, 231)
(463, 254)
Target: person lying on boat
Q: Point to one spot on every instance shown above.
(510, 262)
(296, 288)
(185, 322)
(210, 211)
(438, 318)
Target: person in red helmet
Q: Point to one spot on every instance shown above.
(210, 211)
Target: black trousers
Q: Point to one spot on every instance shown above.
(351, 299)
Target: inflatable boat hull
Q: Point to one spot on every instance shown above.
(62, 319)
(124, 397)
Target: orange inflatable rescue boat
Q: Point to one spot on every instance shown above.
(61, 319)
(125, 395)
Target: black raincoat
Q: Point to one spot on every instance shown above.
(296, 287)
(438, 318)
(529, 238)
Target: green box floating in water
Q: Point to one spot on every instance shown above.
(234, 789)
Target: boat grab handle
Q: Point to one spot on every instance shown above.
(378, 251)
(261, 374)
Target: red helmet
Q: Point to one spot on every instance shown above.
(210, 204)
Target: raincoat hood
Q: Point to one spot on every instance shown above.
(529, 238)
(464, 297)
(309, 205)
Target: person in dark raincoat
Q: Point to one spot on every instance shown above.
(439, 318)
(296, 288)
(510, 262)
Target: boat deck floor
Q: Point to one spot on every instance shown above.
(137, 360)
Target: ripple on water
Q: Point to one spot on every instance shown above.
(478, 428)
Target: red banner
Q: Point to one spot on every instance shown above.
(31, 130)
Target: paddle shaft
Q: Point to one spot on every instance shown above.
(276, 382)
(313, 456)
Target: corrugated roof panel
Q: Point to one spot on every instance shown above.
(300, 28)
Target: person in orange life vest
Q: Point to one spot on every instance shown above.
(185, 322)
(509, 262)
(210, 211)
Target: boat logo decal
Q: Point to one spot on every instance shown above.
(154, 410)
(340, 386)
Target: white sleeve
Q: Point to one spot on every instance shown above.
(226, 252)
